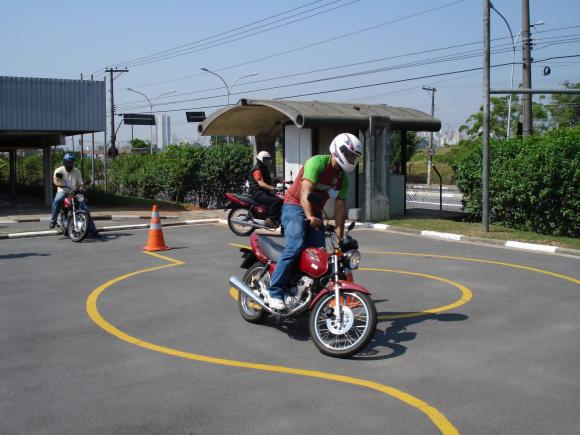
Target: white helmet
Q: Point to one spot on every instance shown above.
(346, 149)
(264, 157)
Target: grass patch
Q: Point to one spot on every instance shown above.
(473, 229)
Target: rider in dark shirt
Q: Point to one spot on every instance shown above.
(262, 189)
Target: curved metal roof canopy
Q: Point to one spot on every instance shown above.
(266, 117)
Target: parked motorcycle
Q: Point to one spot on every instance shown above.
(343, 316)
(247, 215)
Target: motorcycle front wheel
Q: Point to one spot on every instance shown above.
(346, 337)
(239, 229)
(78, 232)
(249, 310)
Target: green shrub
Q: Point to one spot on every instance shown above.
(534, 183)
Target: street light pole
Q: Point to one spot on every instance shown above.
(228, 88)
(151, 111)
(514, 45)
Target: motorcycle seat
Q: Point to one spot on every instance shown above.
(272, 249)
(245, 198)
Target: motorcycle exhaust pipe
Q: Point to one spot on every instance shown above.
(247, 223)
(242, 287)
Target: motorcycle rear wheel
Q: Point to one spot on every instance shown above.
(353, 334)
(240, 230)
(78, 233)
(249, 310)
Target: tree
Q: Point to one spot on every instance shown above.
(395, 146)
(498, 118)
(139, 143)
(564, 109)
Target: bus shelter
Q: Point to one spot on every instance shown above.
(306, 128)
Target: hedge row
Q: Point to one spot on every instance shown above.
(183, 173)
(534, 184)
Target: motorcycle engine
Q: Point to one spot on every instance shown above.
(303, 285)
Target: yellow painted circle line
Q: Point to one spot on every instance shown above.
(436, 417)
(466, 294)
(449, 257)
(478, 260)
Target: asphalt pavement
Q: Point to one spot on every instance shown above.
(472, 338)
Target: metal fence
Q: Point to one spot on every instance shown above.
(434, 197)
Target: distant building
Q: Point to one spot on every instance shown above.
(163, 131)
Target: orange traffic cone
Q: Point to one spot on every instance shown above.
(155, 241)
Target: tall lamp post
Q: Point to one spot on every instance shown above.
(151, 110)
(230, 87)
(514, 44)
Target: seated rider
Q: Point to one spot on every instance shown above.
(302, 220)
(71, 179)
(261, 188)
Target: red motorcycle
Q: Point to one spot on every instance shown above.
(247, 215)
(343, 317)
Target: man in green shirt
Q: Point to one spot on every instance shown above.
(302, 220)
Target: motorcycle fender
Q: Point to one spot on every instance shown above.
(230, 205)
(344, 286)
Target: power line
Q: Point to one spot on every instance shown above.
(220, 34)
(428, 61)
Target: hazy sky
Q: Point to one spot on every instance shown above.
(66, 38)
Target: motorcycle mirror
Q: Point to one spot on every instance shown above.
(58, 175)
(315, 198)
(351, 226)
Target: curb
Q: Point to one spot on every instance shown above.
(105, 217)
(513, 244)
(109, 228)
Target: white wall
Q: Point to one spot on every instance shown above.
(297, 149)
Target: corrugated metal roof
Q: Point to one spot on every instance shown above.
(51, 105)
(264, 117)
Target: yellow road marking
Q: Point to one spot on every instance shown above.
(466, 294)
(449, 257)
(438, 419)
(478, 260)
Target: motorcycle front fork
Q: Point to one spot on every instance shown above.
(337, 307)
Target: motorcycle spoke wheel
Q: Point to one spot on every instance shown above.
(249, 310)
(78, 232)
(239, 229)
(345, 337)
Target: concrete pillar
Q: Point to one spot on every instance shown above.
(12, 154)
(376, 170)
(47, 175)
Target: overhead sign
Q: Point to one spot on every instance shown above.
(195, 116)
(138, 119)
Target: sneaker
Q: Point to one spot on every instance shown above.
(276, 304)
(52, 225)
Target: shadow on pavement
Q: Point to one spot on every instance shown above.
(397, 333)
(22, 255)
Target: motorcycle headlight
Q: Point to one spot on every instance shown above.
(80, 197)
(352, 258)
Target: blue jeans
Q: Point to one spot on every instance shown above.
(57, 204)
(299, 234)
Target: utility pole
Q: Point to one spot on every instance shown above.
(93, 149)
(526, 69)
(485, 139)
(111, 71)
(431, 149)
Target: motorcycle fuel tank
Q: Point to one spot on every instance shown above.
(314, 262)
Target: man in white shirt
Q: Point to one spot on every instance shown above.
(70, 179)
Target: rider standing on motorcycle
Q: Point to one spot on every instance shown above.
(71, 179)
(326, 176)
(261, 188)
